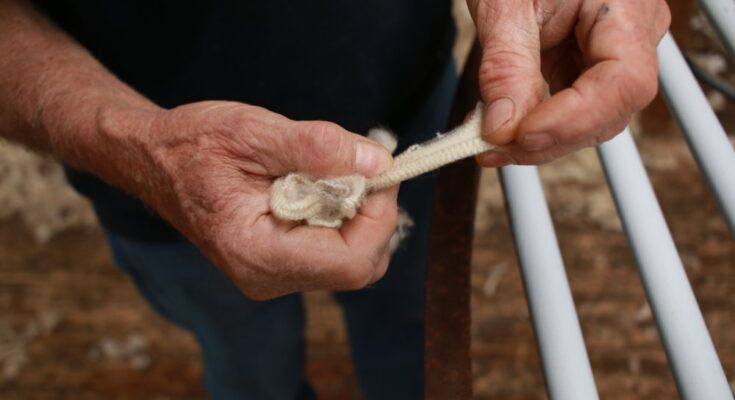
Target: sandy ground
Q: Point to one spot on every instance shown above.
(73, 327)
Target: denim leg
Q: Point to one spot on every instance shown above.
(386, 321)
(251, 350)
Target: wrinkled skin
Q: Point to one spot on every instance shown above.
(207, 168)
(598, 57)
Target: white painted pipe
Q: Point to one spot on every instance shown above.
(558, 334)
(704, 133)
(697, 370)
(722, 15)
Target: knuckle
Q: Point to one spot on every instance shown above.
(227, 116)
(636, 89)
(504, 63)
(509, 72)
(359, 275)
(323, 143)
(502, 59)
(322, 134)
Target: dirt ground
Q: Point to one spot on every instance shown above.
(73, 327)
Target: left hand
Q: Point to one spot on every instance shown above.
(598, 57)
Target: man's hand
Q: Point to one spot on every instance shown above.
(208, 167)
(205, 167)
(598, 57)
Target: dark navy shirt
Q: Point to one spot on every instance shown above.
(356, 63)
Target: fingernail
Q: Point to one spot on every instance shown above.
(499, 112)
(371, 158)
(495, 159)
(537, 141)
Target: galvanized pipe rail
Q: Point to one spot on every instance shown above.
(558, 334)
(722, 15)
(689, 348)
(690, 351)
(704, 133)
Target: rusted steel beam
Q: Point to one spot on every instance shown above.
(447, 362)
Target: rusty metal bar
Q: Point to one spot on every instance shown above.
(447, 361)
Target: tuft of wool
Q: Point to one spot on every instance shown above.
(384, 137)
(403, 230)
(320, 202)
(327, 202)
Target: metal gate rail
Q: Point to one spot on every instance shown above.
(689, 348)
(696, 368)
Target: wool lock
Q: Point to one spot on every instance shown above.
(326, 202)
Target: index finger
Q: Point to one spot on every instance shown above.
(618, 40)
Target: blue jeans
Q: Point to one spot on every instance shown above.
(256, 350)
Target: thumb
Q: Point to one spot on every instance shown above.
(322, 148)
(510, 78)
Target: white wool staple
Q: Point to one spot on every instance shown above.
(403, 230)
(384, 137)
(327, 202)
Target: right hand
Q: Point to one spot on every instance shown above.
(207, 168)
(598, 56)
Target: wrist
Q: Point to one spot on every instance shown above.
(98, 133)
(116, 147)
